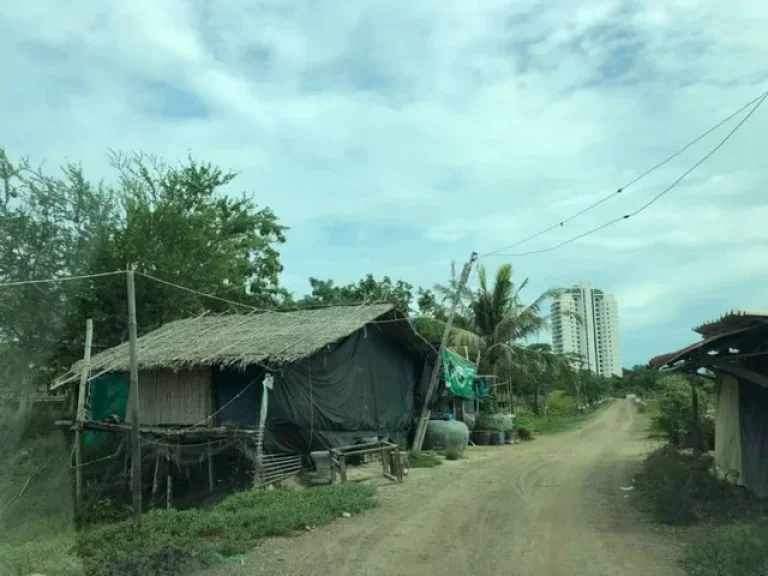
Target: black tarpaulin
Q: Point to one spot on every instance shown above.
(753, 416)
(238, 395)
(360, 387)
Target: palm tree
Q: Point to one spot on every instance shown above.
(499, 324)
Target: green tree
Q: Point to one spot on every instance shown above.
(176, 223)
(500, 324)
(367, 289)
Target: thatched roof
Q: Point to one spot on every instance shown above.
(272, 338)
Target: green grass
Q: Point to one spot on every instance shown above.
(168, 538)
(423, 460)
(735, 550)
(52, 556)
(555, 423)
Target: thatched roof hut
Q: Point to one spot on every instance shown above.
(341, 373)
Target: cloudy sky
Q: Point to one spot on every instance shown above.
(394, 137)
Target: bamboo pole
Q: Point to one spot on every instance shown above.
(80, 414)
(134, 369)
(421, 428)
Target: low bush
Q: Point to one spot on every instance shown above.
(423, 460)
(736, 550)
(680, 490)
(182, 537)
(560, 404)
(524, 433)
(452, 454)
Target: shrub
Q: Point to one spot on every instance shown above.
(736, 550)
(680, 490)
(452, 454)
(53, 556)
(559, 403)
(524, 433)
(674, 418)
(423, 460)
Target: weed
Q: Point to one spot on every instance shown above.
(423, 460)
(169, 541)
(452, 454)
(53, 556)
(524, 433)
(680, 490)
(736, 550)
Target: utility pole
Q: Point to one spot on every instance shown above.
(134, 364)
(421, 428)
(80, 414)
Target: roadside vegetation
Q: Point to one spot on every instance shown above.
(724, 526)
(169, 541)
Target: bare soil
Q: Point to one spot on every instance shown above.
(549, 507)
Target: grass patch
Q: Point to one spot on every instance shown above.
(52, 556)
(555, 423)
(679, 490)
(735, 550)
(423, 460)
(172, 541)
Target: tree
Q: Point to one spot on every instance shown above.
(499, 324)
(368, 289)
(174, 222)
(49, 228)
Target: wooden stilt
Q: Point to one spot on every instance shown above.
(156, 477)
(168, 486)
(210, 468)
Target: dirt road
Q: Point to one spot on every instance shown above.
(549, 507)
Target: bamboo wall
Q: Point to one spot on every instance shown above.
(174, 398)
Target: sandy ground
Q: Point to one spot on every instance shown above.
(549, 507)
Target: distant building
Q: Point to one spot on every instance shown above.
(585, 321)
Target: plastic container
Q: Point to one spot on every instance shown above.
(481, 437)
(497, 438)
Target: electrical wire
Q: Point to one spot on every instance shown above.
(62, 279)
(757, 101)
(645, 206)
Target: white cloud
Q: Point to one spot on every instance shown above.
(468, 125)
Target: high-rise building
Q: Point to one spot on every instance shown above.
(585, 322)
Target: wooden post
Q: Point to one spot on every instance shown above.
(343, 467)
(134, 370)
(421, 428)
(80, 414)
(169, 484)
(210, 468)
(156, 478)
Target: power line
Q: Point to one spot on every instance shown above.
(199, 293)
(62, 279)
(645, 206)
(757, 101)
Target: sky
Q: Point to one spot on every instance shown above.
(396, 137)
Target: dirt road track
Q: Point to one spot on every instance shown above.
(549, 507)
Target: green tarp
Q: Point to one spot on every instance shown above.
(109, 395)
(459, 374)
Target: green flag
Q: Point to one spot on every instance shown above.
(459, 374)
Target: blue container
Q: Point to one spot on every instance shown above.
(497, 439)
(448, 416)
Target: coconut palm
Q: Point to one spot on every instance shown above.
(499, 325)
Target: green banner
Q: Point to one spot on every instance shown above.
(459, 374)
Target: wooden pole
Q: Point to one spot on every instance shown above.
(421, 428)
(134, 365)
(80, 414)
(168, 485)
(210, 468)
